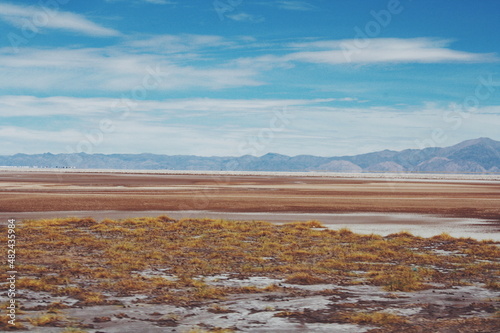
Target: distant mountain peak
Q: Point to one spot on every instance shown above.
(473, 142)
(274, 155)
(477, 155)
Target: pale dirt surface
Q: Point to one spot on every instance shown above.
(258, 313)
(371, 175)
(463, 205)
(383, 204)
(76, 191)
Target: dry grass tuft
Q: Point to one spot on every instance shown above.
(45, 320)
(6, 327)
(494, 285)
(166, 259)
(304, 278)
(374, 318)
(402, 279)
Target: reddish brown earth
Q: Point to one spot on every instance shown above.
(460, 308)
(45, 191)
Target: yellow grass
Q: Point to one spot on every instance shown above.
(373, 318)
(85, 259)
(45, 320)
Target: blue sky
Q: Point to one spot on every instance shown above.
(236, 77)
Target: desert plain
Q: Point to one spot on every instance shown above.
(444, 282)
(474, 197)
(463, 205)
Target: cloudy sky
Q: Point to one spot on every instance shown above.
(236, 77)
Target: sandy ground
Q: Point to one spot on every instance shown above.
(50, 191)
(257, 312)
(380, 204)
(464, 205)
(367, 175)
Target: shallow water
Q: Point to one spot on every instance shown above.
(364, 223)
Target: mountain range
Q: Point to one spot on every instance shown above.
(472, 156)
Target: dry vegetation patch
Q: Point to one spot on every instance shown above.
(166, 261)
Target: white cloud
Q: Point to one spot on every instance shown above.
(40, 18)
(200, 61)
(32, 106)
(245, 17)
(161, 2)
(383, 50)
(20, 134)
(178, 43)
(363, 52)
(204, 126)
(113, 69)
(295, 5)
(155, 2)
